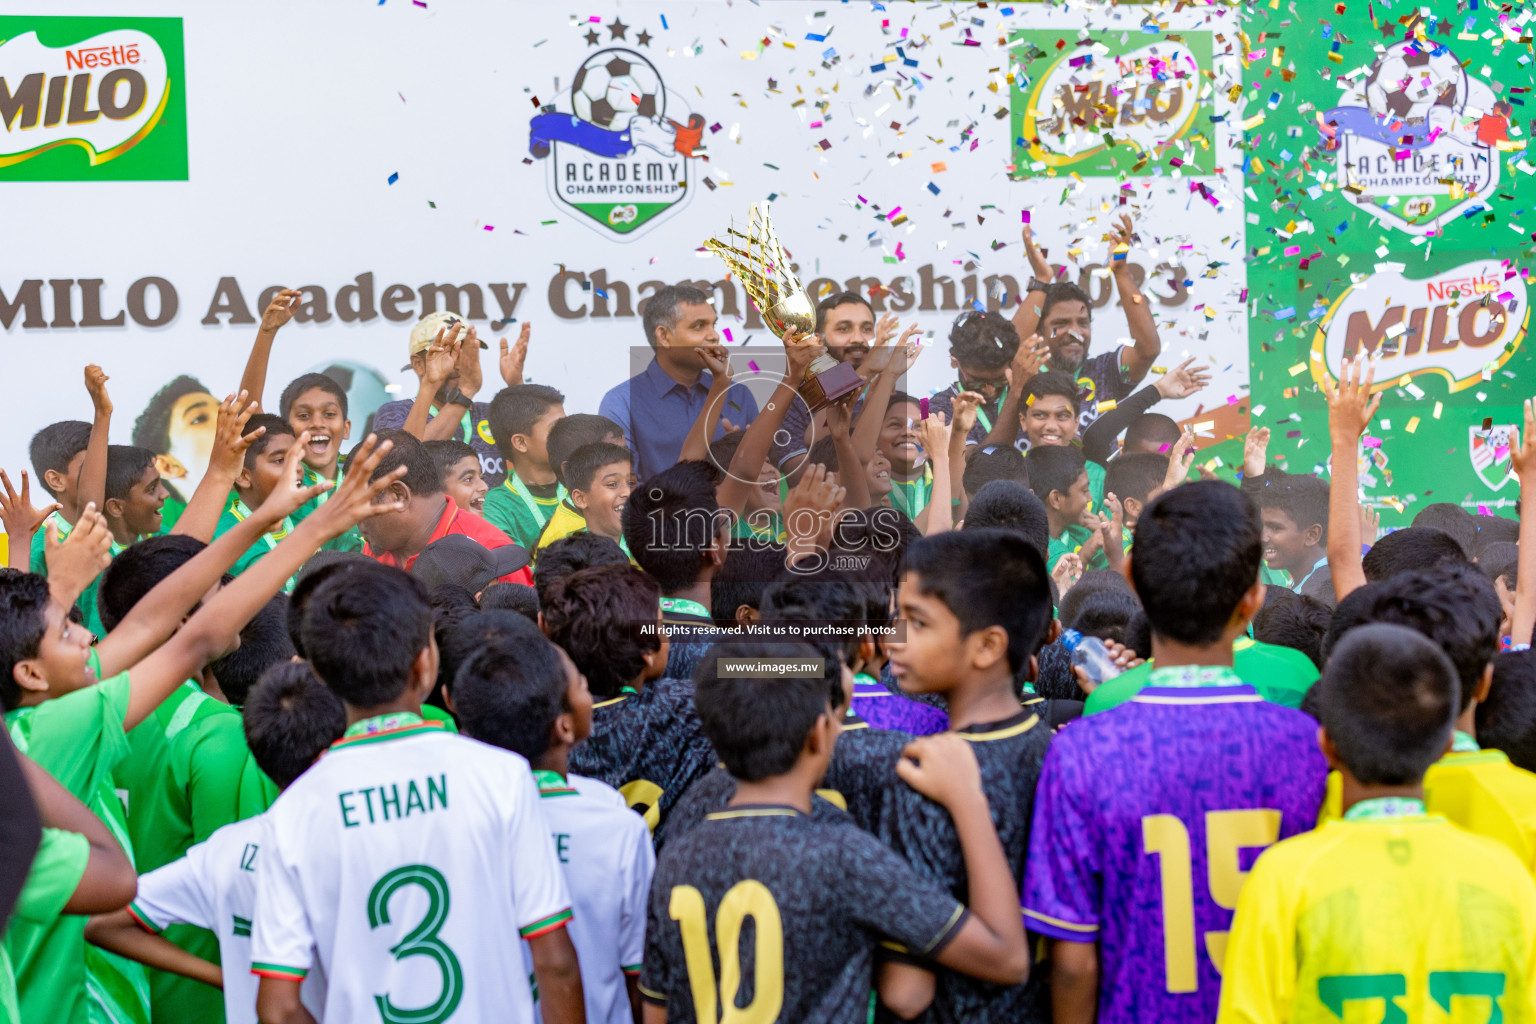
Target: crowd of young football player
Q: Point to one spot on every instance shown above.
(712, 712)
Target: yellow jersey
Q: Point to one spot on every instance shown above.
(1388, 920)
(565, 521)
(1478, 790)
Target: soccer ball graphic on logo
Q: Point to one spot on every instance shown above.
(1413, 85)
(611, 83)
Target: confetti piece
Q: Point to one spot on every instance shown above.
(922, 405)
(752, 365)
(419, 3)
(1107, 406)
(488, 227)
(1413, 425)
(727, 332)
(1298, 369)
(394, 177)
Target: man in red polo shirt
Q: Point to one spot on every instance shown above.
(426, 514)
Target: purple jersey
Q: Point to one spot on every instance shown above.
(1148, 818)
(876, 704)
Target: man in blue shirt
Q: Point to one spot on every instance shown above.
(658, 406)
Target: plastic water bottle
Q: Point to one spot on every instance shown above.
(1090, 655)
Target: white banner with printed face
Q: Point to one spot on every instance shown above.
(526, 163)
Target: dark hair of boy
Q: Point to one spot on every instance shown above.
(54, 447)
(1053, 467)
(152, 429)
(309, 382)
(673, 526)
(1499, 560)
(1456, 607)
(880, 534)
(276, 426)
(758, 726)
(1388, 700)
(1105, 613)
(321, 566)
(1347, 614)
(1302, 497)
(138, 570)
(447, 453)
(1196, 554)
(579, 551)
(723, 450)
(824, 452)
(364, 631)
(1453, 520)
(736, 592)
(829, 598)
(1090, 582)
(509, 693)
(1494, 530)
(1010, 505)
(126, 466)
(1133, 476)
(511, 597)
(571, 433)
(987, 578)
(1295, 621)
(1415, 547)
(420, 468)
(834, 300)
(1151, 432)
(291, 717)
(985, 343)
(585, 462)
(263, 643)
(661, 308)
(23, 620)
(596, 615)
(994, 462)
(460, 637)
(1507, 719)
(1053, 382)
(516, 409)
(899, 397)
(1063, 291)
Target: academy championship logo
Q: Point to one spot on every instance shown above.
(92, 99)
(1411, 142)
(1461, 324)
(621, 157)
(1104, 111)
(1490, 454)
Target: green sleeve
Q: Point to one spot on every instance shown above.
(1095, 485)
(257, 791)
(55, 874)
(1114, 692)
(78, 738)
(1059, 546)
(39, 552)
(437, 714)
(212, 754)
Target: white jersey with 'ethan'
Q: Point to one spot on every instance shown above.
(214, 887)
(411, 861)
(605, 851)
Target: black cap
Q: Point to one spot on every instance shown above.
(467, 563)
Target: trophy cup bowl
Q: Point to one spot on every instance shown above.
(826, 380)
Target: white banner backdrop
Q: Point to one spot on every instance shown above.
(301, 115)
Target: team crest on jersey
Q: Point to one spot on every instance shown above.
(622, 151)
(1490, 454)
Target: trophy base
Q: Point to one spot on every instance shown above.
(821, 389)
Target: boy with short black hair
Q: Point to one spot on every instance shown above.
(1506, 721)
(981, 348)
(260, 473)
(521, 418)
(830, 903)
(1295, 512)
(572, 554)
(399, 803)
(70, 460)
(1133, 478)
(1051, 409)
(1010, 505)
(677, 532)
(134, 495)
(599, 478)
(975, 607)
(458, 467)
(264, 643)
(1059, 477)
(526, 696)
(576, 431)
(1151, 433)
(1196, 761)
(290, 719)
(736, 592)
(993, 462)
(1358, 911)
(646, 740)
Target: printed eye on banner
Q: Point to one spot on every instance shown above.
(77, 94)
(622, 156)
(1413, 137)
(1457, 323)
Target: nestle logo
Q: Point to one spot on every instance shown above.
(101, 56)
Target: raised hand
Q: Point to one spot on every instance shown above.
(799, 351)
(357, 497)
(21, 520)
(514, 356)
(1038, 264)
(1032, 354)
(1522, 445)
(229, 438)
(1370, 524)
(1183, 380)
(80, 557)
(885, 330)
(442, 356)
(1123, 235)
(1069, 569)
(964, 405)
(96, 386)
(906, 351)
(718, 362)
(1255, 451)
(933, 435)
(810, 507)
(1350, 402)
(280, 310)
(1180, 458)
(471, 377)
(840, 417)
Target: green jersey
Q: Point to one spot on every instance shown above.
(517, 511)
(352, 540)
(188, 774)
(912, 496)
(78, 739)
(235, 512)
(1282, 676)
(1074, 537)
(39, 565)
(55, 873)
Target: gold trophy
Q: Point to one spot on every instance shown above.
(764, 271)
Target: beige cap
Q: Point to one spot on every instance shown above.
(425, 332)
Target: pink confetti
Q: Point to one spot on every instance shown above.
(1025, 215)
(1371, 442)
(490, 227)
(922, 405)
(752, 364)
(1232, 399)
(727, 332)
(1484, 510)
